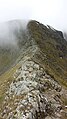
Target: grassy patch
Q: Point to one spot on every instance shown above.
(5, 80)
(54, 47)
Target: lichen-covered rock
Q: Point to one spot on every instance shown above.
(32, 95)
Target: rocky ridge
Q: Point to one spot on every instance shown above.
(36, 88)
(33, 94)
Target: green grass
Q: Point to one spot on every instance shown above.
(54, 47)
(5, 80)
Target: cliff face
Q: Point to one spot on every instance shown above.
(35, 87)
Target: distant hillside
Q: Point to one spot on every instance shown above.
(12, 39)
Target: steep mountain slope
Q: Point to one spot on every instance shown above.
(35, 87)
(53, 46)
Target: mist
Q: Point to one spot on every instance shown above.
(51, 12)
(10, 30)
(48, 12)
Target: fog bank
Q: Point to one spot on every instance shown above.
(9, 32)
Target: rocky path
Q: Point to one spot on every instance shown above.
(33, 95)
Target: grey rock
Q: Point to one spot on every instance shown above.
(26, 97)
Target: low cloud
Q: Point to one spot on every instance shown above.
(9, 32)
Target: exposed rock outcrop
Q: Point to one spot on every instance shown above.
(32, 95)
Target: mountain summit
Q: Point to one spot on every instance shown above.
(53, 48)
(33, 83)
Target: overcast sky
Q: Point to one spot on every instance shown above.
(52, 12)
